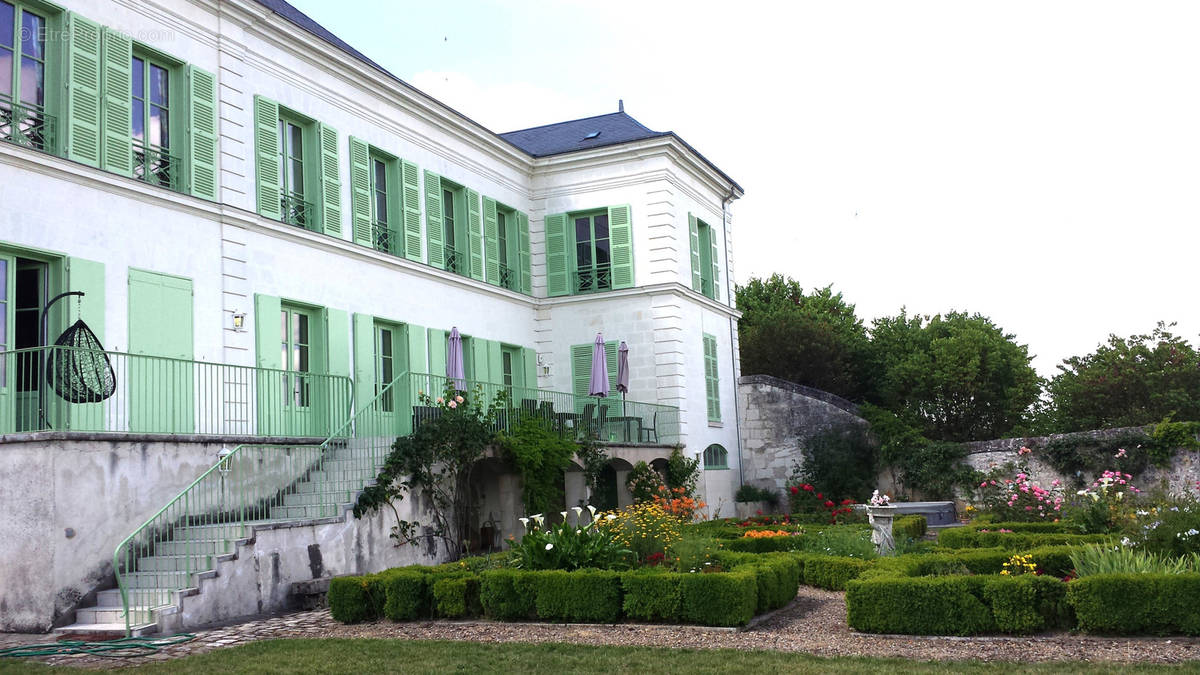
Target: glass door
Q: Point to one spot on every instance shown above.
(296, 355)
(8, 368)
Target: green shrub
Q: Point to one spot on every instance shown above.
(456, 597)
(1130, 604)
(777, 579)
(1027, 603)
(350, 600)
(966, 537)
(830, 572)
(951, 605)
(651, 595)
(589, 596)
(508, 595)
(913, 527)
(407, 593)
(727, 599)
(764, 544)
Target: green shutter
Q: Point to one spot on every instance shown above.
(620, 230)
(337, 340)
(558, 246)
(437, 352)
(116, 89)
(360, 191)
(395, 207)
(474, 234)
(491, 238)
(331, 186)
(433, 221)
(364, 360)
(411, 179)
(267, 337)
(83, 91)
(581, 369)
(266, 158)
(694, 237)
(418, 352)
(716, 266)
(523, 253)
(711, 379)
(202, 133)
(529, 357)
(87, 276)
(495, 360)
(479, 361)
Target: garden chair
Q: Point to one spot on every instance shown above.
(649, 431)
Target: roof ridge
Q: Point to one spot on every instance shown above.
(582, 119)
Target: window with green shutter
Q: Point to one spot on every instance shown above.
(581, 375)
(156, 119)
(454, 227)
(376, 198)
(716, 457)
(712, 385)
(705, 263)
(506, 236)
(297, 168)
(589, 251)
(27, 81)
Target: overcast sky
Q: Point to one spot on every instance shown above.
(1036, 162)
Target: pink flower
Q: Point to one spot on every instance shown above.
(440, 400)
(983, 484)
(458, 399)
(1056, 482)
(452, 404)
(1028, 508)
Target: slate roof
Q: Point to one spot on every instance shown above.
(543, 141)
(589, 132)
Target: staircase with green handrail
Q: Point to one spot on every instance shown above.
(251, 486)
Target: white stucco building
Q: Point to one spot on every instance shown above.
(228, 183)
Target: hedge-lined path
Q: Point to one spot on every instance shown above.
(815, 623)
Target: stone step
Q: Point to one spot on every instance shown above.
(176, 563)
(334, 475)
(195, 547)
(145, 596)
(99, 632)
(168, 581)
(332, 485)
(306, 512)
(139, 615)
(226, 531)
(313, 498)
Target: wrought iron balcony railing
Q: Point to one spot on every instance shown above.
(157, 167)
(454, 261)
(508, 278)
(293, 210)
(28, 126)
(385, 239)
(593, 279)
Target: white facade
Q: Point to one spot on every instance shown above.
(231, 253)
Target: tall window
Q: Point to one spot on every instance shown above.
(296, 350)
(706, 260)
(385, 366)
(384, 238)
(705, 271)
(507, 278)
(294, 209)
(454, 256)
(23, 76)
(593, 254)
(712, 384)
(151, 118)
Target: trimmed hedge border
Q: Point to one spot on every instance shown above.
(970, 537)
(1125, 604)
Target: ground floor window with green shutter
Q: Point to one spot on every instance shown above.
(589, 251)
(712, 383)
(297, 168)
(716, 458)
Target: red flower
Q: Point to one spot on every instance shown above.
(807, 487)
(759, 512)
(847, 501)
(820, 496)
(795, 490)
(828, 503)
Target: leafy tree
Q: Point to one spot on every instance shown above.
(956, 377)
(541, 456)
(814, 339)
(840, 461)
(1127, 382)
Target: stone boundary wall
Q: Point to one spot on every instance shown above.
(1179, 478)
(777, 418)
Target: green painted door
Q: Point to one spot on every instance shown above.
(299, 351)
(161, 397)
(8, 366)
(389, 363)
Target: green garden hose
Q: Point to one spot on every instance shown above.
(121, 647)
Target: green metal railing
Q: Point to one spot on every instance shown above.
(156, 166)
(154, 394)
(609, 419)
(593, 279)
(384, 238)
(294, 210)
(26, 125)
(248, 485)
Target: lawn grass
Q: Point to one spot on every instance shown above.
(420, 656)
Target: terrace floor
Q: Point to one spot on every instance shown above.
(815, 623)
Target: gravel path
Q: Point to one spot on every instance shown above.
(815, 623)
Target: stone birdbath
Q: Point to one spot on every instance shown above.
(881, 514)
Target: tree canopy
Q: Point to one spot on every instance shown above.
(1130, 381)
